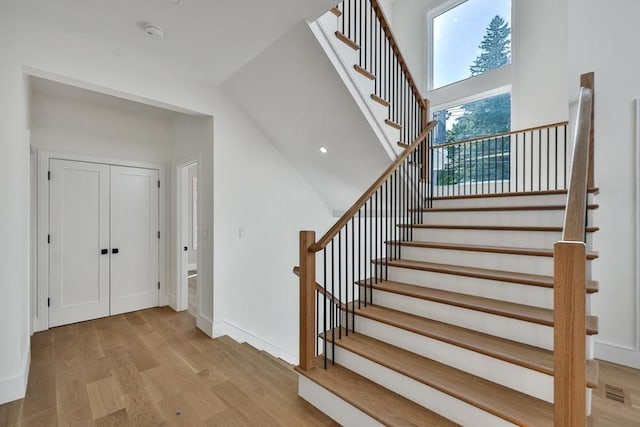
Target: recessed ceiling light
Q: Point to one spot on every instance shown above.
(324, 150)
(154, 31)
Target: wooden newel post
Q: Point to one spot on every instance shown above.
(569, 341)
(307, 300)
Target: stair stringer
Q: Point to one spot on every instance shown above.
(343, 60)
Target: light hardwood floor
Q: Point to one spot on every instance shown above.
(153, 367)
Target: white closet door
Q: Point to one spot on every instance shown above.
(79, 228)
(134, 239)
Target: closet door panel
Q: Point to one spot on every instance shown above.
(134, 235)
(79, 231)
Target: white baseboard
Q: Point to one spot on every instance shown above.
(15, 387)
(222, 327)
(205, 325)
(617, 354)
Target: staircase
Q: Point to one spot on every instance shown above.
(463, 324)
(462, 303)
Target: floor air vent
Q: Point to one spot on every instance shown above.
(614, 393)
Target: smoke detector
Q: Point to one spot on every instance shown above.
(154, 31)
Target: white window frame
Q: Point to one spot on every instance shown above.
(475, 97)
(433, 13)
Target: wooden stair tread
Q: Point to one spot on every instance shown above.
(380, 100)
(524, 355)
(510, 194)
(364, 72)
(393, 124)
(500, 208)
(383, 405)
(336, 11)
(483, 248)
(527, 313)
(491, 227)
(482, 273)
(501, 401)
(346, 40)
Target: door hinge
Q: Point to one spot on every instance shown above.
(158, 183)
(49, 238)
(48, 175)
(48, 302)
(158, 285)
(158, 234)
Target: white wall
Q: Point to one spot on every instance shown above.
(66, 125)
(609, 52)
(539, 51)
(254, 188)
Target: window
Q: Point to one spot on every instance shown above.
(480, 161)
(469, 39)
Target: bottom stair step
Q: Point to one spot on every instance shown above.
(505, 403)
(374, 400)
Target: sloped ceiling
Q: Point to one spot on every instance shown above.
(295, 95)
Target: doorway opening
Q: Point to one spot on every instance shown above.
(188, 232)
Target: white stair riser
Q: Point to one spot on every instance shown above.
(500, 326)
(495, 261)
(553, 218)
(540, 200)
(516, 239)
(327, 402)
(428, 397)
(506, 291)
(498, 371)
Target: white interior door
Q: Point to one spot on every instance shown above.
(134, 239)
(79, 234)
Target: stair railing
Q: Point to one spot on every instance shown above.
(525, 160)
(569, 273)
(354, 253)
(364, 23)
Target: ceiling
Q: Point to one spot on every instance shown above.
(205, 40)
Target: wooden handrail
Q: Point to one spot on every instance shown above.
(574, 223)
(498, 135)
(384, 24)
(333, 231)
(587, 80)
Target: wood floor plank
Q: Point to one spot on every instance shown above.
(10, 413)
(141, 410)
(46, 418)
(128, 377)
(115, 419)
(42, 395)
(105, 397)
(237, 399)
